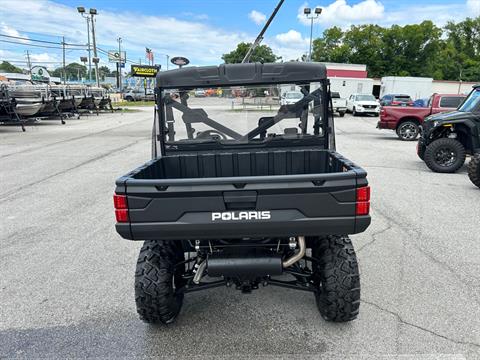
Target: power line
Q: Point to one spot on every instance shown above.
(33, 61)
(36, 45)
(41, 41)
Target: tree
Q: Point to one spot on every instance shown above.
(262, 53)
(104, 71)
(74, 71)
(5, 66)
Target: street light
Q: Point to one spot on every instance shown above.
(81, 11)
(89, 19)
(309, 15)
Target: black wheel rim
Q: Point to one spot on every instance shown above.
(408, 131)
(445, 157)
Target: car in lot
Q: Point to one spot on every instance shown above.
(406, 121)
(238, 200)
(365, 104)
(200, 93)
(396, 100)
(139, 94)
(339, 104)
(448, 137)
(290, 97)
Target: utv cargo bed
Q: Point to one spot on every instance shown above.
(243, 194)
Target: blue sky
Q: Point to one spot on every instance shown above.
(201, 30)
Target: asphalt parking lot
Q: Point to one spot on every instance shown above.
(66, 277)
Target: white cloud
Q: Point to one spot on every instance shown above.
(202, 43)
(474, 7)
(290, 45)
(257, 17)
(7, 30)
(291, 36)
(340, 12)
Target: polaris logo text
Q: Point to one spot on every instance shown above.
(241, 215)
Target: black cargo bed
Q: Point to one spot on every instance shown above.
(240, 164)
(306, 191)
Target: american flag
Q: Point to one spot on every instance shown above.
(149, 54)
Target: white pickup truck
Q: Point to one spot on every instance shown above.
(339, 104)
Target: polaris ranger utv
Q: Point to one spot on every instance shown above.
(242, 195)
(448, 137)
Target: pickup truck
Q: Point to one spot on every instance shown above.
(406, 121)
(339, 104)
(237, 197)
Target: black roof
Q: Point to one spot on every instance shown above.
(242, 74)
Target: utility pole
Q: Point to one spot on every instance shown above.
(29, 64)
(119, 63)
(64, 71)
(92, 13)
(168, 60)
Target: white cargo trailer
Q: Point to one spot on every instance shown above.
(416, 87)
(347, 86)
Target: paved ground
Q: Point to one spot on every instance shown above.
(66, 277)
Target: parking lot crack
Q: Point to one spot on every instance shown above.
(375, 236)
(407, 323)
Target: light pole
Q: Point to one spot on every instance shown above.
(81, 11)
(309, 15)
(119, 63)
(93, 12)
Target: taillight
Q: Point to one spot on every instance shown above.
(121, 208)
(363, 201)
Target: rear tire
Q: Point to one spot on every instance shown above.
(341, 113)
(408, 131)
(445, 155)
(157, 281)
(337, 278)
(474, 170)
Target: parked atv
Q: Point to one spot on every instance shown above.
(474, 170)
(244, 198)
(448, 137)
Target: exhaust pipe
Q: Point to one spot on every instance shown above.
(297, 256)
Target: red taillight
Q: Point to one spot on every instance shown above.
(363, 193)
(363, 201)
(121, 208)
(121, 215)
(363, 208)
(120, 201)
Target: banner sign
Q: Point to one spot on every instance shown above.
(114, 56)
(144, 70)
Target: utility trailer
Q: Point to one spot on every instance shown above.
(244, 198)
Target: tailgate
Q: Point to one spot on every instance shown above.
(259, 206)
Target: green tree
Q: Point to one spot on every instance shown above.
(330, 47)
(5, 66)
(74, 71)
(262, 53)
(104, 71)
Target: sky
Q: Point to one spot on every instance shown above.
(201, 30)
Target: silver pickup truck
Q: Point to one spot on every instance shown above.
(339, 104)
